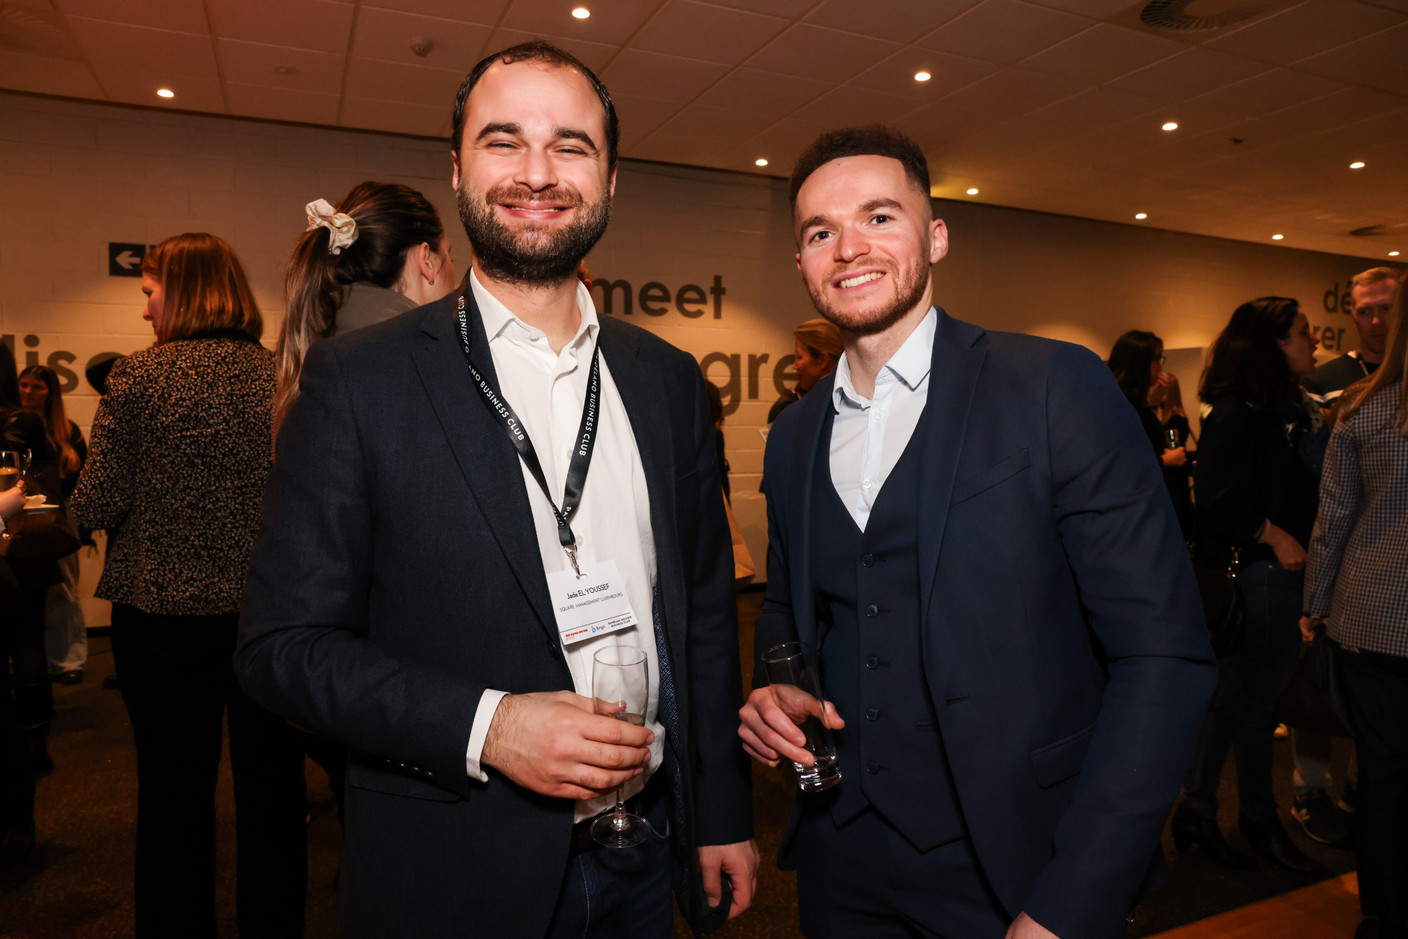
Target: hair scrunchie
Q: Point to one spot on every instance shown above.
(342, 229)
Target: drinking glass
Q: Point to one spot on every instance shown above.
(621, 687)
(9, 469)
(797, 691)
(1171, 437)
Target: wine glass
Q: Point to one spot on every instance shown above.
(620, 687)
(9, 469)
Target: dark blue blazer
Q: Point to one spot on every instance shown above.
(398, 575)
(1063, 642)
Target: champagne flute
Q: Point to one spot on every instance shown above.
(620, 687)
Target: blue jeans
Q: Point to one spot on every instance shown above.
(621, 891)
(1249, 680)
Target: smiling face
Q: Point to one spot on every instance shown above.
(866, 239)
(1372, 305)
(1299, 346)
(531, 175)
(34, 393)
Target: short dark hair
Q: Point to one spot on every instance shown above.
(873, 140)
(538, 50)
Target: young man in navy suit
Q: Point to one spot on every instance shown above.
(967, 525)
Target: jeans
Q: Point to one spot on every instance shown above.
(1249, 680)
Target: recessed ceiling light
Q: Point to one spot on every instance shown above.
(922, 76)
(972, 192)
(760, 161)
(1277, 237)
(1141, 215)
(1171, 125)
(165, 93)
(1393, 254)
(581, 13)
(1357, 165)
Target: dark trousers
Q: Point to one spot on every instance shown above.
(1375, 691)
(16, 766)
(24, 638)
(1249, 681)
(865, 879)
(177, 683)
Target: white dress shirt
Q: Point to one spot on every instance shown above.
(868, 435)
(612, 523)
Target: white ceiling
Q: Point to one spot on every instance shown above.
(1052, 105)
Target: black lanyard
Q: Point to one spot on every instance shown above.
(518, 435)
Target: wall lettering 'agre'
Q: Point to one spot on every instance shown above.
(614, 297)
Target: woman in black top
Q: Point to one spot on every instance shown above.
(1138, 363)
(1257, 482)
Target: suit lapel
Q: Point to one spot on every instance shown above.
(957, 362)
(481, 448)
(643, 396)
(805, 462)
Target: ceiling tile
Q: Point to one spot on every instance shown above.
(393, 81)
(388, 35)
(282, 104)
(397, 117)
(855, 107)
(1102, 53)
(1377, 61)
(1003, 31)
(821, 54)
(1094, 9)
(791, 9)
(1186, 74)
(612, 21)
(132, 86)
(324, 25)
(997, 98)
(708, 127)
(710, 33)
(666, 77)
(254, 63)
(1261, 94)
(186, 16)
(1306, 29)
(640, 116)
(1085, 112)
(895, 20)
(764, 92)
(47, 76)
(173, 54)
(947, 73)
(482, 12)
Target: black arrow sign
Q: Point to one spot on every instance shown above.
(125, 260)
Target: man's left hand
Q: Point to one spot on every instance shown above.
(739, 863)
(1024, 927)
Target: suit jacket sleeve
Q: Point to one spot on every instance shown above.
(1119, 532)
(303, 650)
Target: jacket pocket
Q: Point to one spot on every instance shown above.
(1063, 759)
(1005, 469)
(393, 781)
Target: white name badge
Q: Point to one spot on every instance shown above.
(591, 605)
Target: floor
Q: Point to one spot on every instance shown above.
(78, 882)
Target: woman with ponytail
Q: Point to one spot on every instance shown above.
(380, 252)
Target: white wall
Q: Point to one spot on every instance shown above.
(76, 176)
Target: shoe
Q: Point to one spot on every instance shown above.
(73, 676)
(1320, 819)
(1271, 842)
(1189, 828)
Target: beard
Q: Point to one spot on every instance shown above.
(534, 256)
(909, 286)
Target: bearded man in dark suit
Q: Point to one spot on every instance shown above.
(448, 487)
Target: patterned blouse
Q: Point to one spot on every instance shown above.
(177, 464)
(1357, 572)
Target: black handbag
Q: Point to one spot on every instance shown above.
(1311, 701)
(1223, 607)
